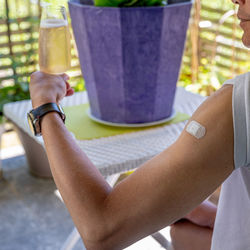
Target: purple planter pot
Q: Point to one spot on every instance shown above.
(130, 58)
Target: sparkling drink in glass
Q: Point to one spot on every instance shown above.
(54, 41)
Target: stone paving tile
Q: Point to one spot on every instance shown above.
(32, 217)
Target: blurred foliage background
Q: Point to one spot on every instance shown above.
(213, 53)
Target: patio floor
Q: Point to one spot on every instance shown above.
(32, 216)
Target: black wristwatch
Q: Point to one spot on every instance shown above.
(35, 116)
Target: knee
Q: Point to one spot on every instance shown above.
(173, 232)
(176, 230)
(177, 234)
(188, 236)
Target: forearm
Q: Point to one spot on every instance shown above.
(81, 185)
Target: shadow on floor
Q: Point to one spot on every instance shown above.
(31, 215)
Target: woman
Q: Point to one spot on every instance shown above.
(165, 188)
(231, 229)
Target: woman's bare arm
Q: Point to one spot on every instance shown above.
(158, 193)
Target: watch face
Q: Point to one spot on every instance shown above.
(30, 121)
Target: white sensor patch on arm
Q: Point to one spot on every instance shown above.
(196, 129)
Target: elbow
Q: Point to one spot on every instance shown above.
(98, 242)
(94, 243)
(98, 237)
(103, 230)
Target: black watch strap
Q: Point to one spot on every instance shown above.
(35, 116)
(46, 108)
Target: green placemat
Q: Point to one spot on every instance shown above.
(84, 128)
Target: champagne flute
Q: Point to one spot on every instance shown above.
(54, 41)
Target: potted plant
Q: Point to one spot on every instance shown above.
(130, 55)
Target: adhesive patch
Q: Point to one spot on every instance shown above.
(196, 129)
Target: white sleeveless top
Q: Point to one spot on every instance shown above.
(232, 224)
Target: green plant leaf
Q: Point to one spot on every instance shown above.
(108, 3)
(129, 3)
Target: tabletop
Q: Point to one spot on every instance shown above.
(118, 153)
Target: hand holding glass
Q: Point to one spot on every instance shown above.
(54, 41)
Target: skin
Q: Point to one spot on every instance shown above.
(195, 232)
(244, 17)
(159, 192)
(189, 236)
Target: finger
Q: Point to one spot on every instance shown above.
(67, 85)
(65, 77)
(70, 92)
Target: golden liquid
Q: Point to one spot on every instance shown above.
(54, 46)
